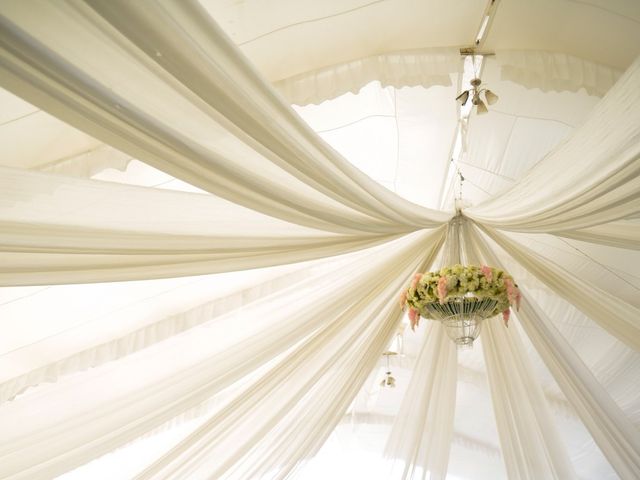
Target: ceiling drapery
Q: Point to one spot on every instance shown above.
(616, 437)
(285, 149)
(269, 377)
(599, 163)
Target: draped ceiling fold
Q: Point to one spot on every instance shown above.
(270, 370)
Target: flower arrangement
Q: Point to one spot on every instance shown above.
(469, 282)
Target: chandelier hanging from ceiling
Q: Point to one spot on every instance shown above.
(388, 380)
(475, 94)
(460, 296)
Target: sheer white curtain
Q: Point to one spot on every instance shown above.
(192, 106)
(419, 442)
(226, 130)
(591, 178)
(621, 234)
(613, 314)
(530, 442)
(614, 434)
(88, 326)
(58, 229)
(271, 427)
(167, 379)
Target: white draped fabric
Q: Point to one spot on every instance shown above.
(615, 435)
(273, 415)
(421, 436)
(58, 229)
(614, 315)
(622, 234)
(39, 141)
(212, 136)
(610, 428)
(268, 353)
(590, 179)
(187, 379)
(84, 341)
(530, 442)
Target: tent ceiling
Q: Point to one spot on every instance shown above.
(400, 137)
(336, 31)
(603, 31)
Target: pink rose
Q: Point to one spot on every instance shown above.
(442, 289)
(416, 279)
(487, 272)
(512, 290)
(414, 318)
(403, 299)
(505, 316)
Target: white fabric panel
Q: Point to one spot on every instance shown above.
(226, 131)
(275, 425)
(31, 138)
(422, 433)
(399, 137)
(609, 268)
(359, 29)
(530, 442)
(89, 163)
(570, 27)
(617, 438)
(89, 325)
(611, 361)
(399, 69)
(309, 413)
(600, 31)
(591, 178)
(14, 109)
(57, 229)
(499, 147)
(531, 69)
(125, 462)
(248, 147)
(619, 234)
(611, 313)
(166, 380)
(475, 426)
(555, 72)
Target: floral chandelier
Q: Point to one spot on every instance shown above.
(461, 297)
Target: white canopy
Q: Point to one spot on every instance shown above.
(199, 280)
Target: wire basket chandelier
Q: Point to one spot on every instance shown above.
(462, 317)
(460, 296)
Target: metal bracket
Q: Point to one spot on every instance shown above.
(467, 51)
